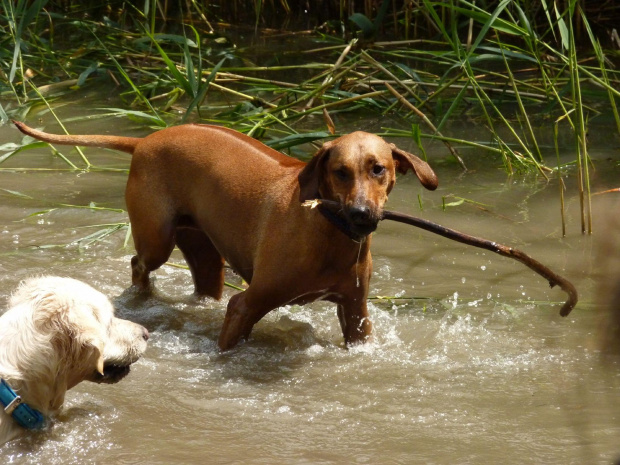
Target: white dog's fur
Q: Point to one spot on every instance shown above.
(56, 333)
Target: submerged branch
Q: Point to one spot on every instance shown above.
(552, 277)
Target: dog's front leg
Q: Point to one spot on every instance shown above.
(355, 321)
(352, 303)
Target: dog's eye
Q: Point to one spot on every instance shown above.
(378, 170)
(341, 174)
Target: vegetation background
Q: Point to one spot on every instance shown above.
(523, 70)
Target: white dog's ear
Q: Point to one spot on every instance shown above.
(100, 364)
(98, 346)
(88, 334)
(93, 343)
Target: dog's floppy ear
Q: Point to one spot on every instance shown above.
(100, 363)
(97, 344)
(88, 336)
(407, 161)
(78, 337)
(310, 177)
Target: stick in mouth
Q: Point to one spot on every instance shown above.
(506, 251)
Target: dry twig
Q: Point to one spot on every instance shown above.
(552, 277)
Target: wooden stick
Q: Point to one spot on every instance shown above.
(553, 278)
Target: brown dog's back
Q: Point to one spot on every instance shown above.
(220, 195)
(224, 182)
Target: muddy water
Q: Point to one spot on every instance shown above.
(479, 369)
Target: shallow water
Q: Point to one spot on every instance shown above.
(479, 369)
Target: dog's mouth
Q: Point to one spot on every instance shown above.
(112, 373)
(361, 220)
(363, 228)
(355, 222)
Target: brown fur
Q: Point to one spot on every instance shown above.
(220, 195)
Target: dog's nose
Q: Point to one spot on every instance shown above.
(145, 334)
(359, 214)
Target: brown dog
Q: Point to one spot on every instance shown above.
(220, 195)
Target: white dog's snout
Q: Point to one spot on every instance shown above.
(59, 332)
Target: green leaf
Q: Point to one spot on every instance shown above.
(524, 21)
(508, 53)
(42, 212)
(3, 116)
(361, 21)
(546, 8)
(177, 39)
(564, 34)
(485, 57)
(487, 25)
(204, 87)
(381, 14)
(437, 20)
(499, 24)
(417, 137)
(9, 146)
(297, 139)
(190, 72)
(172, 67)
(455, 102)
(127, 236)
(32, 145)
(87, 72)
(17, 194)
(137, 114)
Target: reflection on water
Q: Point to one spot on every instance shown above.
(479, 369)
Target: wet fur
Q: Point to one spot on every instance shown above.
(219, 195)
(56, 333)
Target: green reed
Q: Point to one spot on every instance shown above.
(500, 65)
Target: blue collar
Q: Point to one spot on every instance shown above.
(22, 413)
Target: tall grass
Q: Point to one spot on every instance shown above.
(502, 62)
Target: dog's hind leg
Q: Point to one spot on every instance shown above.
(153, 236)
(204, 261)
(152, 251)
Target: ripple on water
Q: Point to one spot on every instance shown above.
(466, 371)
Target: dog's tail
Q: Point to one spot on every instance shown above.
(125, 144)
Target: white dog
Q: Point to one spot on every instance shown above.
(56, 333)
